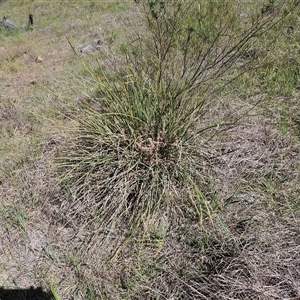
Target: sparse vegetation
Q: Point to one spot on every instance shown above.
(170, 168)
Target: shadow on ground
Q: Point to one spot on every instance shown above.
(24, 294)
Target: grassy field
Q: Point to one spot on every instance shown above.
(129, 172)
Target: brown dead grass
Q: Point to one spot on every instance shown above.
(252, 252)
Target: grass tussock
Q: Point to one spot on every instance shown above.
(140, 146)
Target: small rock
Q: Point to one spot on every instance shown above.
(92, 47)
(8, 23)
(39, 59)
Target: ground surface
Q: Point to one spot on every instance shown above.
(252, 249)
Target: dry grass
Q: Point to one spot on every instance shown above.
(251, 251)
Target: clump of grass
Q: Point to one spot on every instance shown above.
(134, 162)
(140, 148)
